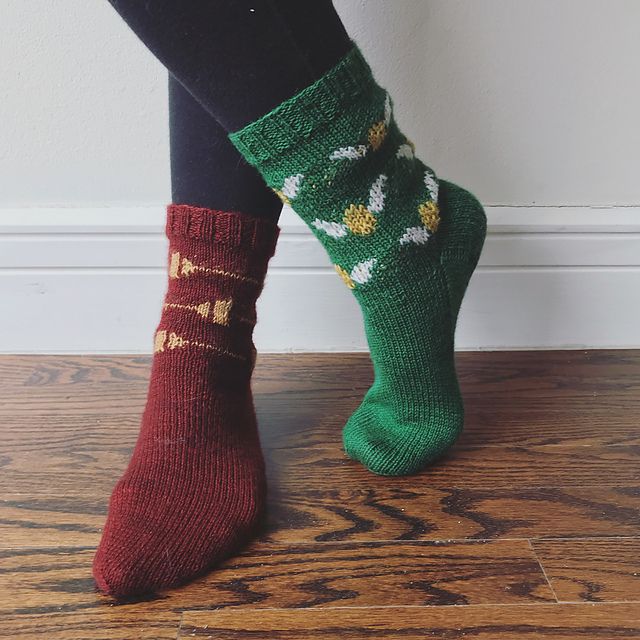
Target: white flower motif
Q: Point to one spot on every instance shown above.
(362, 272)
(405, 151)
(292, 186)
(387, 110)
(376, 194)
(415, 235)
(432, 185)
(333, 229)
(349, 153)
(360, 151)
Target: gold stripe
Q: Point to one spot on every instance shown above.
(228, 274)
(174, 265)
(158, 343)
(221, 310)
(180, 266)
(201, 309)
(174, 341)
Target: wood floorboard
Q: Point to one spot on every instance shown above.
(360, 515)
(606, 570)
(34, 581)
(538, 502)
(469, 468)
(83, 470)
(107, 623)
(521, 492)
(533, 398)
(533, 622)
(421, 513)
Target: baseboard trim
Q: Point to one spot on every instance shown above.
(90, 280)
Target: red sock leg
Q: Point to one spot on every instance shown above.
(194, 489)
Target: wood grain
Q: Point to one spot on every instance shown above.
(359, 515)
(366, 574)
(328, 468)
(419, 513)
(108, 623)
(71, 385)
(533, 398)
(468, 468)
(604, 570)
(542, 491)
(534, 622)
(36, 581)
(54, 520)
(566, 492)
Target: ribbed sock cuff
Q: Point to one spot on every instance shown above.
(302, 117)
(232, 229)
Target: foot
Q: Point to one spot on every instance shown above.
(335, 154)
(414, 412)
(194, 490)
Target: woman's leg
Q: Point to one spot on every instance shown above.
(194, 489)
(239, 58)
(403, 241)
(206, 169)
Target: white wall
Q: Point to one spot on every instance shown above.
(83, 110)
(533, 104)
(524, 101)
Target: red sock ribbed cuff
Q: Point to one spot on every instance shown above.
(230, 228)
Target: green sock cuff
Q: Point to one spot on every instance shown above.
(304, 115)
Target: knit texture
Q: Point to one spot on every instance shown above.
(404, 242)
(194, 489)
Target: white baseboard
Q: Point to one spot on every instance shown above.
(91, 281)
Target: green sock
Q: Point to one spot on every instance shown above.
(404, 242)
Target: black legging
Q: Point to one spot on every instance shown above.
(206, 169)
(231, 62)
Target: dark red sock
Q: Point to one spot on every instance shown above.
(194, 489)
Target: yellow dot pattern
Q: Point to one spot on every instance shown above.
(430, 215)
(221, 310)
(359, 220)
(282, 197)
(346, 278)
(377, 134)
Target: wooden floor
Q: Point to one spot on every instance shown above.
(530, 528)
